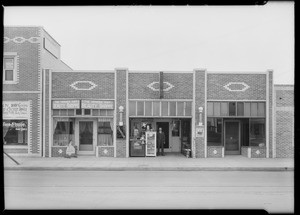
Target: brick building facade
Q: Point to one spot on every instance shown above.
(106, 113)
(27, 52)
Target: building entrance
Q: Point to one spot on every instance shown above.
(165, 129)
(232, 137)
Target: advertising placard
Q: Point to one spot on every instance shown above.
(66, 104)
(97, 104)
(150, 143)
(15, 109)
(199, 131)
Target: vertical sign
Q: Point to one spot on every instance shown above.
(151, 143)
(161, 85)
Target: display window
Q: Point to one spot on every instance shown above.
(63, 132)
(257, 132)
(105, 133)
(15, 132)
(214, 132)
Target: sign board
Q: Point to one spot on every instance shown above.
(66, 104)
(150, 143)
(15, 109)
(97, 104)
(199, 131)
(18, 125)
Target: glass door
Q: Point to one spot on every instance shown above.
(86, 135)
(232, 137)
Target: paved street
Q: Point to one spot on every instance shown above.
(272, 191)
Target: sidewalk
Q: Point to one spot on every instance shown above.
(165, 163)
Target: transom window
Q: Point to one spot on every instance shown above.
(241, 109)
(160, 108)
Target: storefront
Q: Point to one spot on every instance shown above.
(174, 117)
(87, 124)
(16, 126)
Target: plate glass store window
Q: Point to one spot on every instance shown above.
(105, 134)
(15, 132)
(63, 133)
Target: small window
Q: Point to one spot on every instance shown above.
(232, 109)
(148, 108)
(132, 108)
(87, 111)
(95, 112)
(224, 109)
(180, 106)
(9, 68)
(247, 109)
(78, 112)
(253, 109)
(217, 109)
(240, 109)
(210, 108)
(164, 108)
(188, 108)
(172, 106)
(156, 108)
(140, 108)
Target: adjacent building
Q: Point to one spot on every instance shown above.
(202, 113)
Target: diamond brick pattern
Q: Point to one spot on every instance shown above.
(216, 86)
(214, 151)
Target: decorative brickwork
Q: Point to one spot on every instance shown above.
(182, 85)
(105, 151)
(270, 74)
(215, 151)
(28, 78)
(258, 152)
(62, 85)
(60, 151)
(256, 89)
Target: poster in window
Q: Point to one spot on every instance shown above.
(150, 143)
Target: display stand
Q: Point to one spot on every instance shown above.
(150, 143)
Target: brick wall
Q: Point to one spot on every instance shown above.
(46, 109)
(105, 151)
(217, 91)
(121, 101)
(182, 82)
(16, 40)
(257, 152)
(284, 95)
(214, 151)
(270, 74)
(62, 81)
(200, 102)
(244, 151)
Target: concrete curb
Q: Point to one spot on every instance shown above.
(151, 168)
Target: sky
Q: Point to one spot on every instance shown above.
(169, 38)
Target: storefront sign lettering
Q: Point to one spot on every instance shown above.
(15, 109)
(17, 125)
(97, 104)
(66, 104)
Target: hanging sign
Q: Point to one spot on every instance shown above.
(15, 109)
(97, 104)
(66, 104)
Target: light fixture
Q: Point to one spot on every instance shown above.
(121, 109)
(200, 116)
